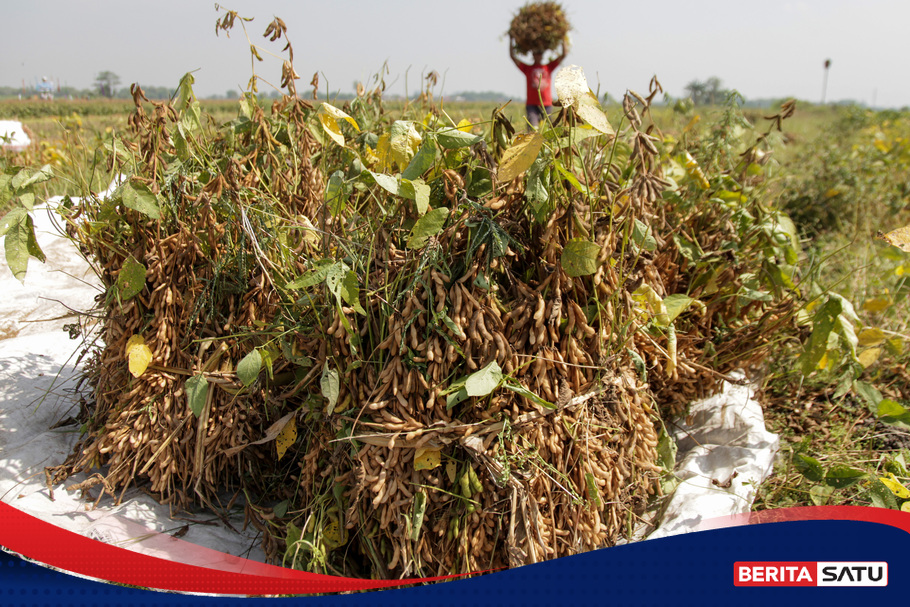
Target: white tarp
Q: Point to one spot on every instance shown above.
(37, 374)
(13, 136)
(724, 454)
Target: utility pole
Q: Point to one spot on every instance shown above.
(825, 80)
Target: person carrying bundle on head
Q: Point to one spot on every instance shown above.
(539, 77)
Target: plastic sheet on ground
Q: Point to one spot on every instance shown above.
(13, 136)
(724, 453)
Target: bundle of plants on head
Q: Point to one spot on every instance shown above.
(539, 27)
(416, 346)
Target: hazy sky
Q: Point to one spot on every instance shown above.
(770, 48)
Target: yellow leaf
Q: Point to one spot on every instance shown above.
(572, 88)
(878, 304)
(867, 357)
(329, 116)
(695, 120)
(384, 152)
(426, 459)
(334, 533)
(894, 485)
(286, 437)
(465, 125)
(870, 336)
(138, 354)
(403, 142)
(519, 158)
(823, 362)
(899, 238)
(451, 471)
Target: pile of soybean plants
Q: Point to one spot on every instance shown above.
(417, 347)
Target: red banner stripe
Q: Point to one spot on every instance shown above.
(65, 550)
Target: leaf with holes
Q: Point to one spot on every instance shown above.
(426, 458)
(131, 279)
(809, 467)
(286, 437)
(140, 198)
(841, 476)
(579, 257)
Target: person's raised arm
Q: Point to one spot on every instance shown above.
(513, 55)
(562, 54)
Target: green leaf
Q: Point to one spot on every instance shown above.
(643, 237)
(197, 389)
(27, 199)
(454, 328)
(350, 291)
(593, 493)
(531, 396)
(579, 257)
(248, 368)
(841, 476)
(453, 138)
(20, 242)
(880, 495)
(417, 191)
(822, 324)
(893, 413)
(809, 467)
(330, 386)
(427, 226)
(819, 494)
(666, 451)
(280, 509)
(335, 193)
(131, 279)
(387, 182)
(868, 393)
(456, 398)
(677, 304)
(313, 277)
(688, 249)
(419, 508)
(423, 161)
(571, 178)
(484, 381)
(139, 198)
(537, 190)
(29, 177)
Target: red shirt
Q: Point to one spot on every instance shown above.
(539, 79)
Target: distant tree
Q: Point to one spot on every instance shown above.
(709, 92)
(106, 82)
(713, 90)
(696, 92)
(230, 94)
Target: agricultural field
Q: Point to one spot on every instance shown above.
(421, 339)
